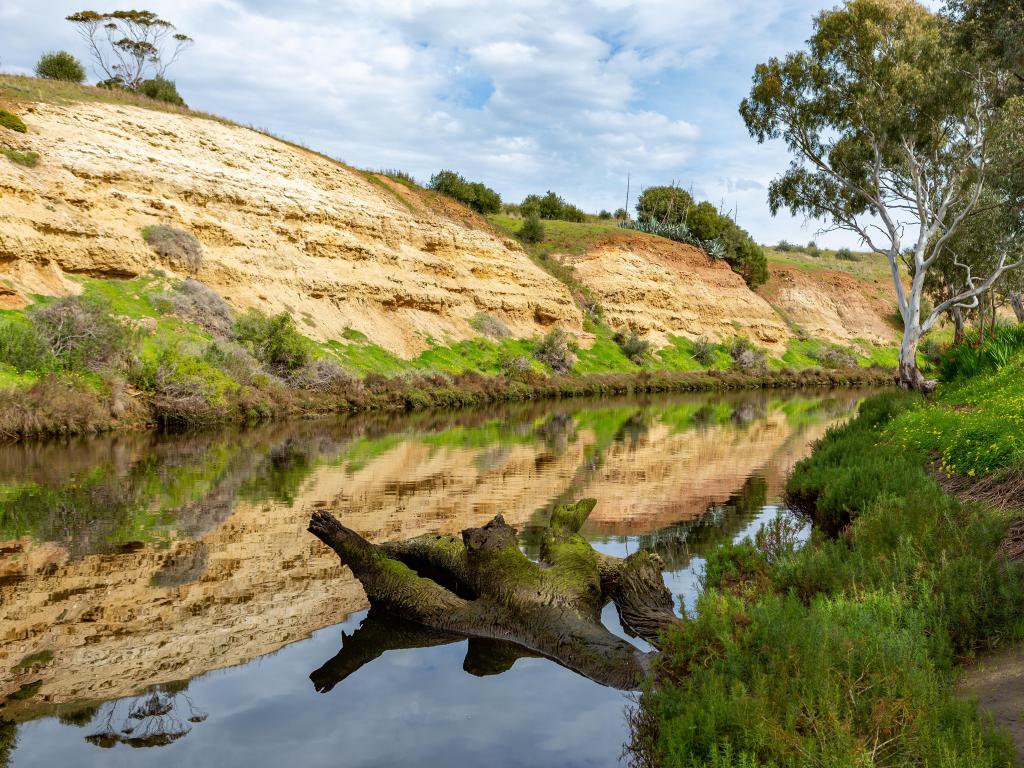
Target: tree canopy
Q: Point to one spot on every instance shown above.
(476, 195)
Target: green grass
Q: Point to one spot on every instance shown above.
(844, 651)
(867, 266)
(27, 159)
(566, 237)
(975, 425)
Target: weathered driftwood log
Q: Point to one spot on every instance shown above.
(482, 586)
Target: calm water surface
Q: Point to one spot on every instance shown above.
(161, 603)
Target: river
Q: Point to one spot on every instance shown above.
(161, 603)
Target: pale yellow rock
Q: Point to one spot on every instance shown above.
(281, 228)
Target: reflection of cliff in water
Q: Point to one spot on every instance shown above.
(134, 561)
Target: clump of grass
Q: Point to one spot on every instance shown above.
(12, 121)
(27, 159)
(703, 351)
(175, 247)
(489, 325)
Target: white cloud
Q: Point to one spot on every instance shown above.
(526, 95)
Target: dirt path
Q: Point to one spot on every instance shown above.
(997, 681)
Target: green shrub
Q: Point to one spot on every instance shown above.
(748, 358)
(832, 356)
(703, 351)
(198, 303)
(664, 205)
(161, 89)
(274, 341)
(557, 350)
(477, 196)
(551, 206)
(22, 347)
(82, 335)
(532, 230)
(604, 215)
(60, 65)
(176, 247)
(632, 346)
(845, 254)
(27, 159)
(12, 121)
(786, 247)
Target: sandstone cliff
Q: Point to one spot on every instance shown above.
(282, 228)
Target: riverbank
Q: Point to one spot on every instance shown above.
(157, 351)
(845, 651)
(57, 406)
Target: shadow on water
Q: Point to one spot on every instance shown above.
(164, 585)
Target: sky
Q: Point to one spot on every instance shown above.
(526, 96)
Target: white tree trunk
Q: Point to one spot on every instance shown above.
(910, 375)
(1017, 302)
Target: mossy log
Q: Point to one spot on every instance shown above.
(482, 586)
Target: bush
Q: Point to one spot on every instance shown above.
(274, 341)
(22, 347)
(515, 366)
(664, 205)
(557, 350)
(551, 206)
(161, 89)
(477, 196)
(323, 376)
(12, 121)
(786, 247)
(489, 325)
(82, 335)
(604, 215)
(621, 214)
(60, 65)
(198, 303)
(532, 230)
(835, 357)
(176, 247)
(845, 254)
(748, 358)
(632, 346)
(703, 351)
(187, 390)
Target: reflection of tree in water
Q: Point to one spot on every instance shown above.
(162, 715)
(677, 544)
(557, 431)
(8, 740)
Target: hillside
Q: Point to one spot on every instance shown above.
(281, 228)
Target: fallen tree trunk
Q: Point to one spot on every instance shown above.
(482, 586)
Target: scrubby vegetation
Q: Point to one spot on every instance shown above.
(161, 89)
(551, 206)
(474, 194)
(557, 350)
(175, 247)
(12, 121)
(843, 652)
(27, 159)
(672, 212)
(60, 65)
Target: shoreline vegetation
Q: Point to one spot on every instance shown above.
(160, 352)
(846, 650)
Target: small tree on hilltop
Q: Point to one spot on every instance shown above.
(60, 65)
(665, 205)
(892, 127)
(130, 46)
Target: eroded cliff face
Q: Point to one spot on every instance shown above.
(282, 228)
(661, 288)
(833, 306)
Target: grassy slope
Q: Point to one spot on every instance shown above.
(844, 652)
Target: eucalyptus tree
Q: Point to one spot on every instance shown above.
(130, 46)
(891, 128)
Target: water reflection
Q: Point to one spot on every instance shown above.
(131, 563)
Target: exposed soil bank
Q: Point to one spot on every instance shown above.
(58, 406)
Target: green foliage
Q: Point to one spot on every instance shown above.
(27, 159)
(748, 358)
(846, 255)
(551, 206)
(60, 65)
(532, 230)
(12, 121)
(976, 425)
(476, 195)
(632, 345)
(161, 89)
(664, 205)
(975, 355)
(841, 653)
(703, 351)
(273, 340)
(557, 350)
